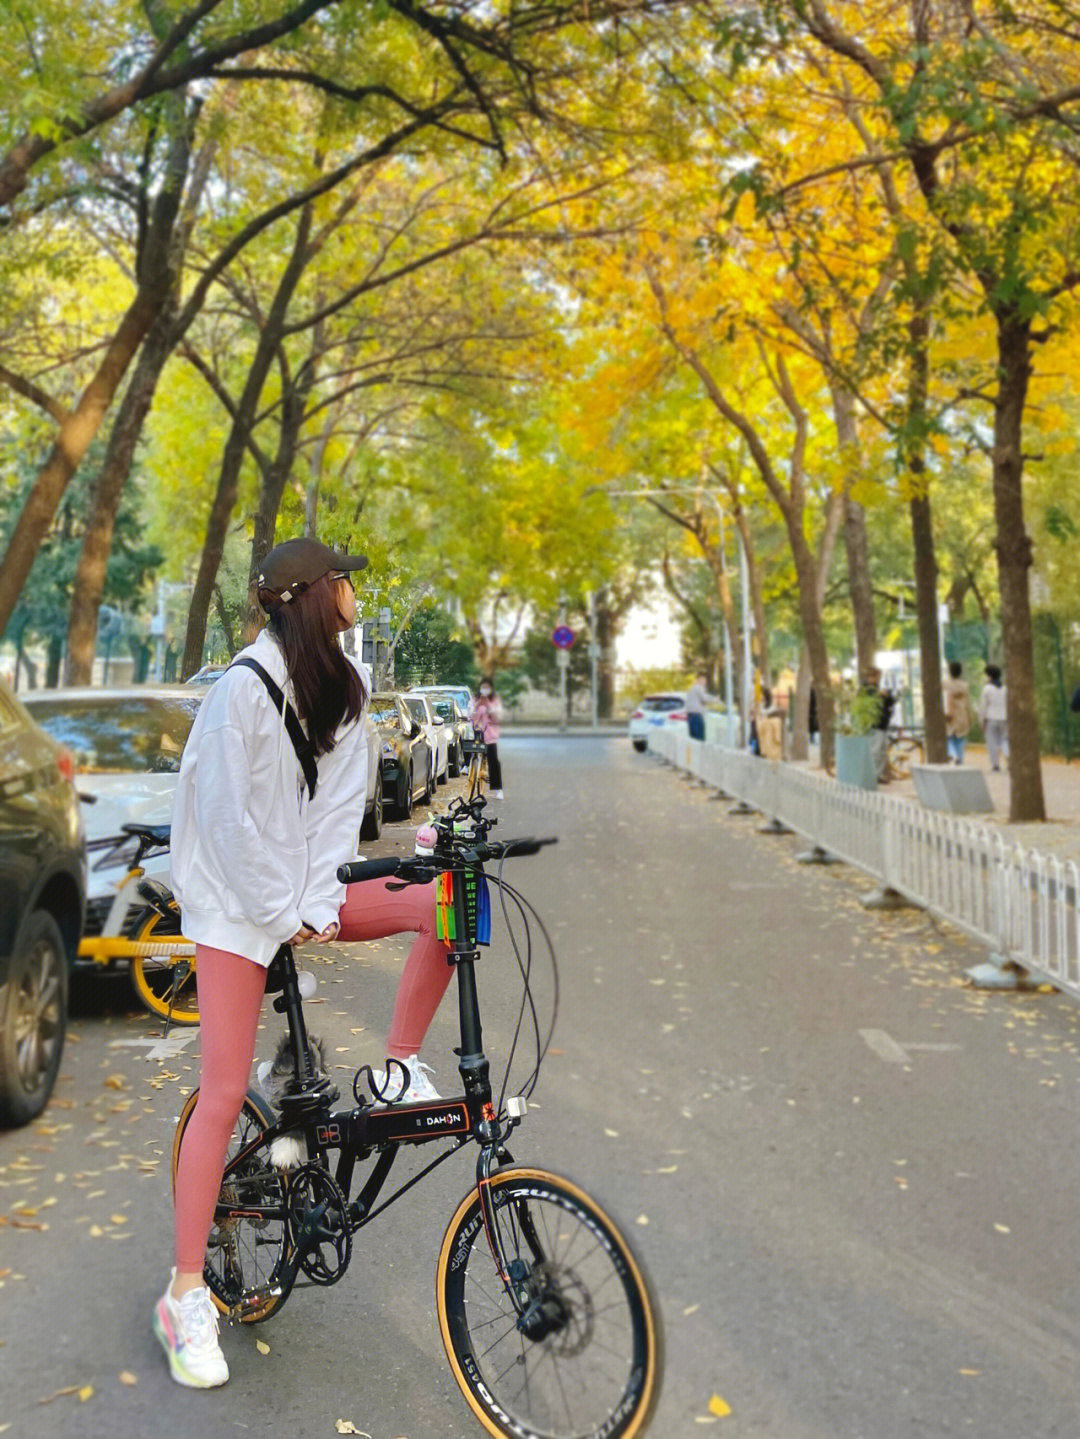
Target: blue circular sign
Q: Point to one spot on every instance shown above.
(562, 637)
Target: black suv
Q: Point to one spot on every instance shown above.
(42, 898)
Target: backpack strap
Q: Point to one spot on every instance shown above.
(305, 750)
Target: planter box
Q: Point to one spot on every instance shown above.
(955, 788)
(855, 761)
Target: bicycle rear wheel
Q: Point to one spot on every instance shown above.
(245, 1252)
(595, 1363)
(165, 982)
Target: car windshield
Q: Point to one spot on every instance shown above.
(120, 734)
(384, 711)
(416, 709)
(662, 703)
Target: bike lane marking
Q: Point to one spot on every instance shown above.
(892, 1051)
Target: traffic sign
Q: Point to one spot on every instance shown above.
(562, 637)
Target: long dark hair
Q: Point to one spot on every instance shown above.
(328, 688)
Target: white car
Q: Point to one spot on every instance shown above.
(438, 734)
(655, 711)
(127, 745)
(462, 693)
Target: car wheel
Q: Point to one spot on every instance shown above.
(33, 1020)
(453, 763)
(405, 799)
(429, 784)
(372, 826)
(641, 745)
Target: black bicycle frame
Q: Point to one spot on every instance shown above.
(356, 1133)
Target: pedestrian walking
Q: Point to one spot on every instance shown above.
(957, 701)
(486, 715)
(993, 715)
(881, 710)
(769, 725)
(697, 696)
(269, 800)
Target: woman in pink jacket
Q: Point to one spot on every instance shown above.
(486, 713)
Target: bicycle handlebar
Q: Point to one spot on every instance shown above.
(369, 868)
(427, 865)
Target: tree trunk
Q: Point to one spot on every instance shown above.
(922, 531)
(926, 609)
(800, 728)
(228, 484)
(1013, 546)
(814, 638)
(77, 432)
(90, 576)
(855, 540)
(293, 404)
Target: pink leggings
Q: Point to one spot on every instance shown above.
(231, 990)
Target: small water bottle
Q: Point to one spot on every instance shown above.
(426, 839)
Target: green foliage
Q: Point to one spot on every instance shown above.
(432, 651)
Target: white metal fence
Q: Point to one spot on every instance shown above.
(1024, 905)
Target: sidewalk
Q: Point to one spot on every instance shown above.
(1059, 835)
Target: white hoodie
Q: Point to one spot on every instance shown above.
(253, 857)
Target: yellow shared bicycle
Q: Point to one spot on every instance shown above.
(142, 925)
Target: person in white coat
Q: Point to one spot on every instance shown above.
(993, 715)
(262, 818)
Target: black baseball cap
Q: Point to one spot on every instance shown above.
(291, 567)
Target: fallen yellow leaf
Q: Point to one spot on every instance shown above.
(718, 1407)
(126, 1377)
(262, 1346)
(85, 1393)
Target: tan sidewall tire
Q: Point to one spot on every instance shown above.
(650, 1392)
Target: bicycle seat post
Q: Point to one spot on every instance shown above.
(288, 1003)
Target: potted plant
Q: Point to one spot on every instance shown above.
(854, 754)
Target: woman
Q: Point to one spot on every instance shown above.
(957, 699)
(486, 713)
(993, 715)
(256, 841)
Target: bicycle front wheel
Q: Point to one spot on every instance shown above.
(594, 1363)
(165, 982)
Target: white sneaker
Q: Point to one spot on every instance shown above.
(187, 1329)
(420, 1086)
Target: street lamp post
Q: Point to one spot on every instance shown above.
(744, 700)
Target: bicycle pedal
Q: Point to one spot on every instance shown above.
(518, 1107)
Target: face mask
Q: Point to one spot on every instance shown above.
(485, 689)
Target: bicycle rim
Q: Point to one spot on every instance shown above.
(244, 1254)
(597, 1372)
(165, 984)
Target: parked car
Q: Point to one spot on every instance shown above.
(654, 712)
(438, 734)
(207, 675)
(462, 693)
(127, 745)
(458, 725)
(406, 766)
(42, 899)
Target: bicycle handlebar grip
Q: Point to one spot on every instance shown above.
(358, 869)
